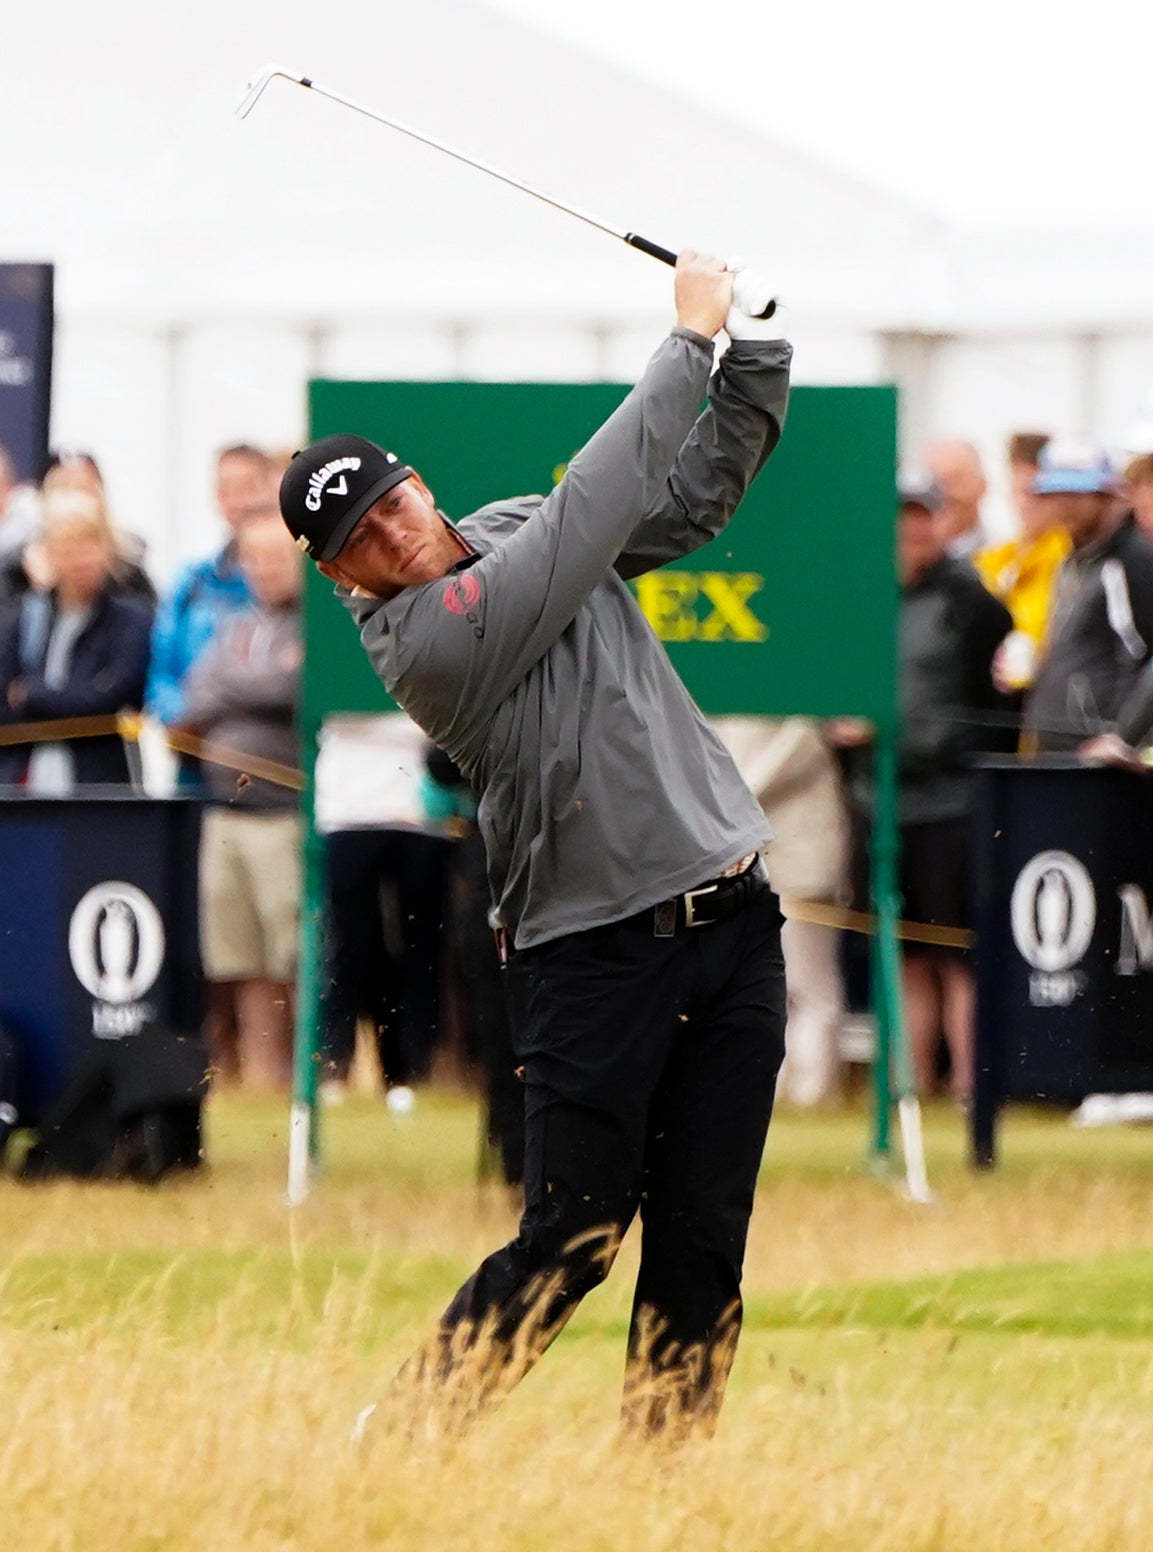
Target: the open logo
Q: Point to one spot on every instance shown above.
(116, 943)
(1053, 912)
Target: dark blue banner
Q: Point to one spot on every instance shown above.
(25, 365)
(98, 929)
(1065, 936)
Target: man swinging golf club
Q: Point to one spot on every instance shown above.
(645, 973)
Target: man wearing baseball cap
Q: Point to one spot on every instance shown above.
(645, 971)
(329, 487)
(1100, 634)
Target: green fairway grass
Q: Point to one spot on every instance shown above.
(181, 1367)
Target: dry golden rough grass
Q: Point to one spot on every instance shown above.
(181, 1368)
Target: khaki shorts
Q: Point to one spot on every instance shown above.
(249, 894)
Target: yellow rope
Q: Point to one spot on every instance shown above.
(59, 730)
(130, 724)
(866, 922)
(247, 764)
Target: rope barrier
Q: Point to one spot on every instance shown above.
(232, 759)
(130, 724)
(865, 922)
(59, 730)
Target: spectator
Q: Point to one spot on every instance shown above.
(24, 568)
(385, 878)
(19, 525)
(950, 628)
(205, 594)
(19, 509)
(955, 468)
(488, 1034)
(208, 590)
(80, 650)
(242, 694)
(792, 773)
(70, 470)
(1139, 492)
(1022, 572)
(1101, 630)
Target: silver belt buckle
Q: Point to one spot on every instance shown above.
(690, 910)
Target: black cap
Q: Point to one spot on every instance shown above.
(328, 488)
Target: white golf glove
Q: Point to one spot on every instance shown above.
(752, 293)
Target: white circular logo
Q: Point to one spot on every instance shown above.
(116, 942)
(1053, 911)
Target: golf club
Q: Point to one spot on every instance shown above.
(761, 307)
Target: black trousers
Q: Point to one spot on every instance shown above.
(650, 1066)
(394, 983)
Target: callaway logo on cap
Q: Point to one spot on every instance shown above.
(317, 481)
(328, 488)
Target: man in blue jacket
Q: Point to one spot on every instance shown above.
(207, 590)
(623, 849)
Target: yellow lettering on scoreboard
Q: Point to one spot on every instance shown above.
(732, 619)
(702, 605)
(666, 599)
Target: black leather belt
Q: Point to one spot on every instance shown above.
(711, 902)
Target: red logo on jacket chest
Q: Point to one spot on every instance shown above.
(462, 594)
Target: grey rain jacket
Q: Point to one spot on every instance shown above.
(602, 788)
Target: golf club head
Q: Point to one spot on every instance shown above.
(255, 87)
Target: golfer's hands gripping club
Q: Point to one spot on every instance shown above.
(704, 293)
(750, 316)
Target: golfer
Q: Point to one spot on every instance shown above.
(644, 964)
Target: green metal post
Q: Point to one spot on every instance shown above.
(894, 1059)
(304, 1144)
(884, 951)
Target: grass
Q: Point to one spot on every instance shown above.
(181, 1367)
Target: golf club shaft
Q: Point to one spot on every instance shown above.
(634, 240)
(654, 250)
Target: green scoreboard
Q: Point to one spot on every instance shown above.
(790, 611)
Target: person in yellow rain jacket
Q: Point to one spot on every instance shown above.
(1022, 572)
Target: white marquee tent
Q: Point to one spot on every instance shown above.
(207, 267)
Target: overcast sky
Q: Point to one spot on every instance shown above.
(995, 110)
